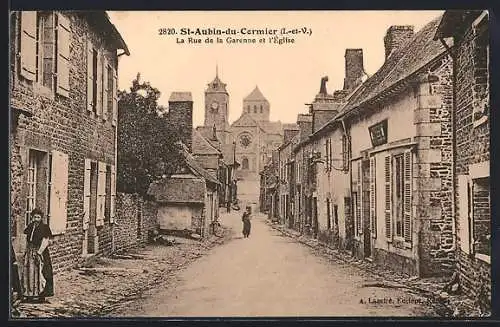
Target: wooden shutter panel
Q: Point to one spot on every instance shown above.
(359, 201)
(388, 197)
(464, 212)
(101, 193)
(115, 98)
(105, 88)
(113, 195)
(90, 76)
(86, 194)
(373, 198)
(99, 84)
(63, 59)
(407, 196)
(58, 192)
(28, 44)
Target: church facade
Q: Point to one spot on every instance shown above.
(251, 138)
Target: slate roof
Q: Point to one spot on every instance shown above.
(419, 51)
(272, 127)
(202, 146)
(179, 189)
(255, 95)
(196, 168)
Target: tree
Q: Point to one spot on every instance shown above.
(146, 140)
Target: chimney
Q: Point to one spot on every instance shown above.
(288, 134)
(396, 37)
(305, 125)
(354, 70)
(180, 116)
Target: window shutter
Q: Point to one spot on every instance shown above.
(86, 194)
(113, 195)
(115, 98)
(359, 230)
(105, 88)
(373, 198)
(90, 76)
(99, 85)
(101, 193)
(58, 192)
(407, 196)
(63, 60)
(28, 44)
(464, 212)
(388, 197)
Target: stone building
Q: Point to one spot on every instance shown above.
(379, 159)
(189, 199)
(471, 116)
(63, 84)
(252, 137)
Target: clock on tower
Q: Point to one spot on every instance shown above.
(214, 106)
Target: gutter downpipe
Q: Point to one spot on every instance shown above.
(453, 142)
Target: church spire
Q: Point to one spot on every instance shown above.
(216, 70)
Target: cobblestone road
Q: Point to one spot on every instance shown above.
(271, 275)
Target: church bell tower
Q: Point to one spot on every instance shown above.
(217, 104)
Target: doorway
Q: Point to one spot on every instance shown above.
(92, 242)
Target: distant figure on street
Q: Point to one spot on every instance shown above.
(228, 206)
(37, 281)
(246, 222)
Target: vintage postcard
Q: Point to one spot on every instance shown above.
(250, 164)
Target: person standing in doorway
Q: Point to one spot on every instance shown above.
(37, 280)
(246, 222)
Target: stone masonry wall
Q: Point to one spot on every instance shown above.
(63, 124)
(434, 170)
(472, 146)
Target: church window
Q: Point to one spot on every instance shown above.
(260, 108)
(248, 108)
(254, 108)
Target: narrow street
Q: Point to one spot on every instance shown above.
(270, 275)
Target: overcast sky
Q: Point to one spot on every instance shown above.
(288, 75)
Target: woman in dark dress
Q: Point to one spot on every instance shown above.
(37, 274)
(246, 222)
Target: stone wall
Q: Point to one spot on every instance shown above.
(434, 168)
(63, 124)
(472, 147)
(135, 219)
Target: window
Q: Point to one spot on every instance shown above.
(36, 186)
(47, 187)
(398, 177)
(255, 109)
(45, 49)
(335, 215)
(261, 109)
(94, 80)
(481, 216)
(345, 153)
(248, 108)
(398, 195)
(109, 93)
(107, 201)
